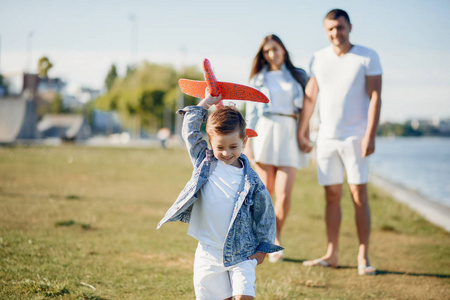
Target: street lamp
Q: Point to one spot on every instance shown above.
(134, 38)
(30, 35)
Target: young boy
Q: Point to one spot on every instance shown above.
(228, 208)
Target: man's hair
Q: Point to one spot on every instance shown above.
(337, 13)
(226, 120)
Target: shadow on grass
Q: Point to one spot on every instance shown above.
(379, 272)
(384, 272)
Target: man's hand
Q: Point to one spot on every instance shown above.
(367, 146)
(309, 101)
(260, 256)
(209, 100)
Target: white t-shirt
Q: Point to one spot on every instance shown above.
(212, 212)
(281, 93)
(343, 98)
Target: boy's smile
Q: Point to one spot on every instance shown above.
(228, 147)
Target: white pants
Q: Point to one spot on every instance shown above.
(212, 280)
(336, 156)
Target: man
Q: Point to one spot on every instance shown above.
(347, 80)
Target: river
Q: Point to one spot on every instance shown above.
(418, 163)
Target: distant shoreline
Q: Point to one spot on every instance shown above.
(434, 212)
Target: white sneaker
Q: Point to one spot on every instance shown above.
(276, 256)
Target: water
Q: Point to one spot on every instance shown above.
(422, 164)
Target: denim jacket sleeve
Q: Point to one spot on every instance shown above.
(194, 116)
(265, 221)
(251, 108)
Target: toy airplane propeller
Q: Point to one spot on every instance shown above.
(232, 91)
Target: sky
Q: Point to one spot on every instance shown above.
(83, 38)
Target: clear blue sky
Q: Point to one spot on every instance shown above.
(83, 38)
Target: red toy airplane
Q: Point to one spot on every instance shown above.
(228, 90)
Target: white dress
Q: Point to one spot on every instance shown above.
(276, 143)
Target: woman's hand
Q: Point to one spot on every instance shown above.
(259, 256)
(209, 100)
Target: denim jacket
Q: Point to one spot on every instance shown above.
(252, 228)
(256, 110)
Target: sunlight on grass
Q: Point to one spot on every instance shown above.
(86, 230)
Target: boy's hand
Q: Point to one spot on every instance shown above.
(209, 100)
(260, 256)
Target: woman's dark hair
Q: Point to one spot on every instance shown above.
(337, 13)
(259, 62)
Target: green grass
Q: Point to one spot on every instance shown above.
(79, 223)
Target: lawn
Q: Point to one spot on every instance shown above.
(79, 223)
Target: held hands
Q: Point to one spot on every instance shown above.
(209, 100)
(304, 144)
(259, 256)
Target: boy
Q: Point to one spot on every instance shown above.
(228, 208)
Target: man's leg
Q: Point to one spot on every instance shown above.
(330, 171)
(362, 218)
(284, 182)
(333, 194)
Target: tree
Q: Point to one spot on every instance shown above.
(44, 65)
(147, 94)
(111, 77)
(56, 106)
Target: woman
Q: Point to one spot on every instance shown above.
(275, 152)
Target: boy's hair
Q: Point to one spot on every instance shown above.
(337, 13)
(226, 120)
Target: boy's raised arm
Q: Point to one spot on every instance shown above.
(209, 100)
(192, 122)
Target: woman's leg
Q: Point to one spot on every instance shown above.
(284, 182)
(267, 175)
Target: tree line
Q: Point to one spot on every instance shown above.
(407, 129)
(147, 96)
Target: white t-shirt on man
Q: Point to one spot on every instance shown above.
(212, 212)
(343, 98)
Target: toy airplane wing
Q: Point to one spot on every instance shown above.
(229, 91)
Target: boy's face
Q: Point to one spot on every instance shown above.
(228, 147)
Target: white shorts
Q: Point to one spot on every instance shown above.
(212, 280)
(336, 156)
